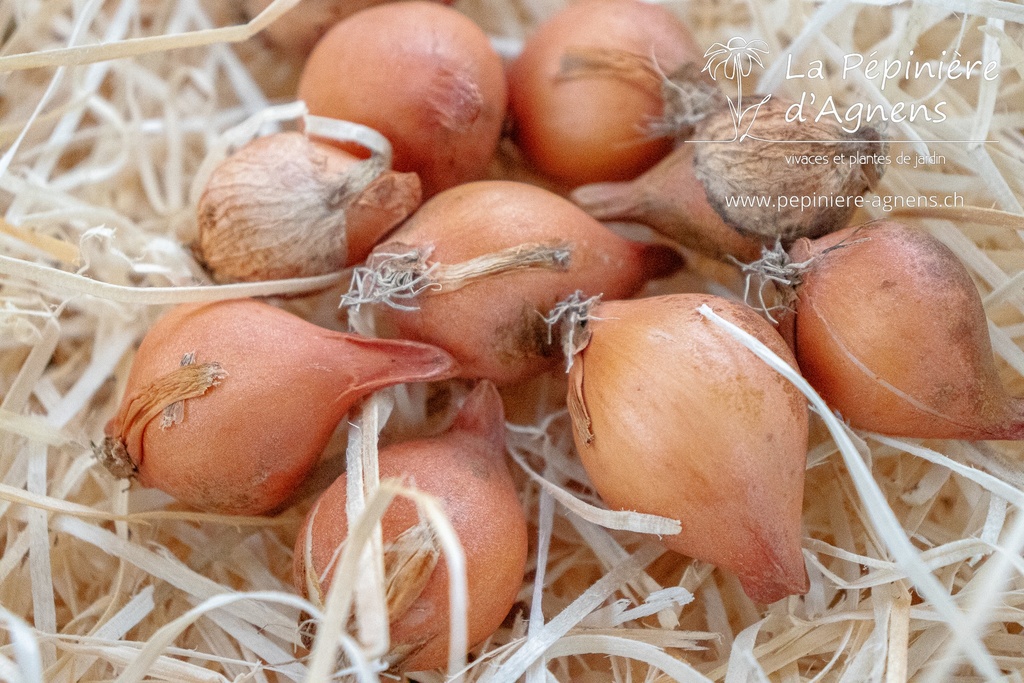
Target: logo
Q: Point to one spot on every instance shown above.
(735, 61)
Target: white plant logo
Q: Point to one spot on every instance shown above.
(735, 61)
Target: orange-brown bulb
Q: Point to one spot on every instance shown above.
(229, 404)
(465, 469)
(673, 417)
(890, 330)
(423, 75)
(587, 124)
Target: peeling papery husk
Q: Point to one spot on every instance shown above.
(718, 443)
(409, 562)
(690, 97)
(571, 317)
(166, 394)
(603, 62)
(285, 206)
(748, 159)
(705, 194)
(869, 289)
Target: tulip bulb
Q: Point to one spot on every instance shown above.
(286, 206)
(890, 329)
(229, 405)
(673, 417)
(465, 468)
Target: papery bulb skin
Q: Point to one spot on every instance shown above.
(708, 193)
(890, 329)
(381, 206)
(751, 161)
(670, 199)
(243, 445)
(673, 417)
(494, 326)
(285, 206)
(464, 468)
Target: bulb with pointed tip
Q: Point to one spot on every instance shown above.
(673, 417)
(890, 329)
(464, 468)
(495, 325)
(286, 206)
(229, 404)
(738, 185)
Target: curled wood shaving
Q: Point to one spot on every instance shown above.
(58, 249)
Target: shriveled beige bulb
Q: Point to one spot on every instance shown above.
(286, 206)
(691, 195)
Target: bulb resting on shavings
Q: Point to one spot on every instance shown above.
(121, 144)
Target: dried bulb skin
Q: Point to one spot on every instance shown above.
(687, 195)
(495, 326)
(244, 443)
(465, 468)
(590, 127)
(756, 167)
(718, 443)
(388, 200)
(423, 75)
(890, 330)
(690, 95)
(670, 199)
(284, 206)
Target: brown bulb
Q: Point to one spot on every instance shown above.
(495, 325)
(285, 206)
(890, 329)
(673, 417)
(731, 189)
(229, 405)
(465, 469)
